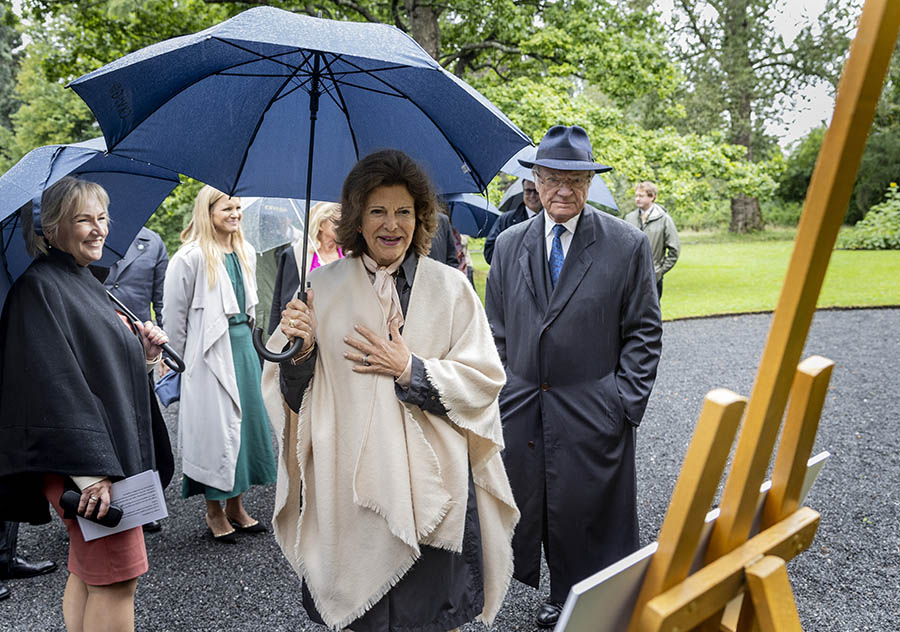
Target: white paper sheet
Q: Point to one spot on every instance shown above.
(140, 497)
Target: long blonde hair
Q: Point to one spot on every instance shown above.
(201, 230)
(320, 212)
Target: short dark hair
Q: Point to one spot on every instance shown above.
(385, 168)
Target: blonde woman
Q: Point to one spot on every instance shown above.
(321, 249)
(76, 411)
(210, 295)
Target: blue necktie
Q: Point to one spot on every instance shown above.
(556, 254)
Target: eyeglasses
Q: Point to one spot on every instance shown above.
(573, 182)
(530, 191)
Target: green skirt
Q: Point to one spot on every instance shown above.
(256, 460)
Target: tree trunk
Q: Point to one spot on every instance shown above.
(423, 22)
(745, 215)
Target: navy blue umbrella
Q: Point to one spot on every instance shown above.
(236, 105)
(135, 191)
(471, 214)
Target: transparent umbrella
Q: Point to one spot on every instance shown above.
(271, 222)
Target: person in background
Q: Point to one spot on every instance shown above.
(137, 280)
(82, 370)
(528, 208)
(210, 295)
(14, 566)
(443, 244)
(575, 318)
(406, 513)
(266, 272)
(322, 248)
(462, 254)
(657, 224)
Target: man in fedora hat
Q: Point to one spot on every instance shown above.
(571, 298)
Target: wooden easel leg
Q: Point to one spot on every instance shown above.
(773, 599)
(747, 618)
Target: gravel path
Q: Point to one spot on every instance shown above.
(848, 580)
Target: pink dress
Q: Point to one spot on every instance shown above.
(315, 259)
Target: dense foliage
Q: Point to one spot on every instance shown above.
(609, 65)
(880, 229)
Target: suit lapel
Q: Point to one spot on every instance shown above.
(578, 261)
(136, 249)
(531, 261)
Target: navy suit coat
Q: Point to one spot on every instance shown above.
(507, 219)
(137, 278)
(580, 363)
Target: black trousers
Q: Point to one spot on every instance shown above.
(9, 533)
(659, 289)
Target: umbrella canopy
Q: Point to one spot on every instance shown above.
(599, 193)
(232, 106)
(271, 222)
(471, 214)
(228, 106)
(135, 191)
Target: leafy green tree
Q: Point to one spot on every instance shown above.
(694, 172)
(599, 63)
(10, 40)
(741, 71)
(798, 167)
(880, 164)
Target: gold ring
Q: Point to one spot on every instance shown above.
(291, 323)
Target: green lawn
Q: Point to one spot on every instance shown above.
(721, 274)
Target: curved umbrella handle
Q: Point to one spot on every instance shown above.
(271, 356)
(172, 359)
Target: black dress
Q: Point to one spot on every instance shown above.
(411, 606)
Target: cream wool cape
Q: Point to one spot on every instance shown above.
(377, 478)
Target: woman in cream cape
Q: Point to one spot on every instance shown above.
(392, 501)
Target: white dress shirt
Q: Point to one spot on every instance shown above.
(565, 238)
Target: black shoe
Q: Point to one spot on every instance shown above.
(254, 527)
(223, 538)
(548, 614)
(4, 592)
(154, 526)
(20, 568)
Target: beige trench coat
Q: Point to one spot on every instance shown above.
(196, 317)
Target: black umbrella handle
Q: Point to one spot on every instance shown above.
(173, 360)
(271, 356)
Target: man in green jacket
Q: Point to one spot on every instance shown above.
(653, 220)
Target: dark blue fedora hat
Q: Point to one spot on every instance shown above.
(566, 149)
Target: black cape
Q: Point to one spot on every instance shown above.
(74, 394)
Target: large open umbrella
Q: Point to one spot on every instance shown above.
(135, 189)
(599, 193)
(235, 106)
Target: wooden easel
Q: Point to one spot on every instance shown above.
(711, 599)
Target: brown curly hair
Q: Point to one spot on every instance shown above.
(385, 168)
